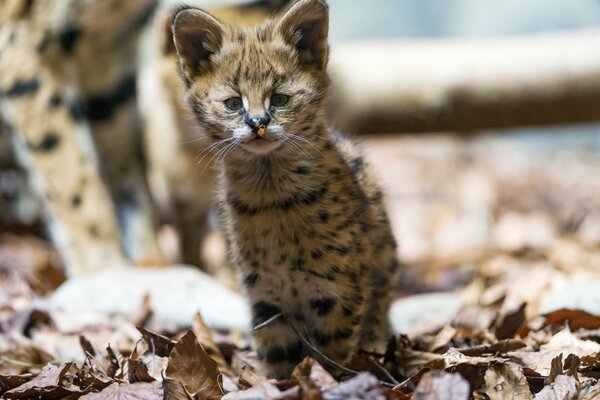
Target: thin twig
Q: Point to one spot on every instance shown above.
(267, 322)
(329, 360)
(384, 371)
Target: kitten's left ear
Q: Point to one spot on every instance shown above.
(197, 36)
(305, 26)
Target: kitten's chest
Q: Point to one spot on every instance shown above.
(276, 239)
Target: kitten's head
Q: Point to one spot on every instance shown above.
(261, 88)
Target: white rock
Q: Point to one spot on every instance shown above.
(424, 309)
(584, 295)
(176, 294)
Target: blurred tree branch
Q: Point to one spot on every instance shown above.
(466, 85)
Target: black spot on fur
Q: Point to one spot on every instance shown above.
(75, 111)
(323, 216)
(250, 279)
(316, 254)
(323, 306)
(49, 142)
(357, 165)
(341, 250)
(22, 88)
(347, 311)
(275, 354)
(263, 311)
(301, 169)
(294, 352)
(55, 101)
(102, 107)
(76, 201)
(299, 199)
(68, 38)
(344, 333)
(322, 338)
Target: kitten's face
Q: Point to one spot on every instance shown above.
(256, 91)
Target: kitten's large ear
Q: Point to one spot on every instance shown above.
(305, 26)
(197, 35)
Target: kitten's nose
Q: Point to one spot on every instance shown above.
(256, 123)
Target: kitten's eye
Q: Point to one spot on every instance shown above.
(234, 103)
(279, 100)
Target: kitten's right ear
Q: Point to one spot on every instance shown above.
(197, 36)
(305, 26)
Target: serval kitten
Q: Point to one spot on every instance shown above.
(302, 211)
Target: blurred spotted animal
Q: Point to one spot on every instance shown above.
(69, 109)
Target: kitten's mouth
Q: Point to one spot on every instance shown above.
(261, 145)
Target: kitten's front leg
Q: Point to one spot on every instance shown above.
(335, 324)
(278, 347)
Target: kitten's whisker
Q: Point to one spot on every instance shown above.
(231, 147)
(223, 151)
(210, 148)
(298, 137)
(289, 141)
(298, 146)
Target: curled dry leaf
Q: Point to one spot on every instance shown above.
(47, 384)
(502, 347)
(362, 386)
(563, 388)
(564, 342)
(205, 338)
(310, 369)
(8, 382)
(130, 391)
(440, 385)
(193, 367)
(264, 390)
(506, 381)
(157, 343)
(577, 319)
(19, 359)
(175, 390)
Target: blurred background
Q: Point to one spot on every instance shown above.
(480, 117)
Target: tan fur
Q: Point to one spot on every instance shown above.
(87, 235)
(68, 57)
(305, 221)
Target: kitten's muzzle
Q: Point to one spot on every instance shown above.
(258, 125)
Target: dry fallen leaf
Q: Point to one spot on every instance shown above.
(506, 381)
(362, 386)
(204, 335)
(439, 385)
(193, 367)
(563, 388)
(131, 391)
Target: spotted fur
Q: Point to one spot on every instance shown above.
(69, 86)
(303, 213)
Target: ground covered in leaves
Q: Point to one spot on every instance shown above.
(507, 230)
